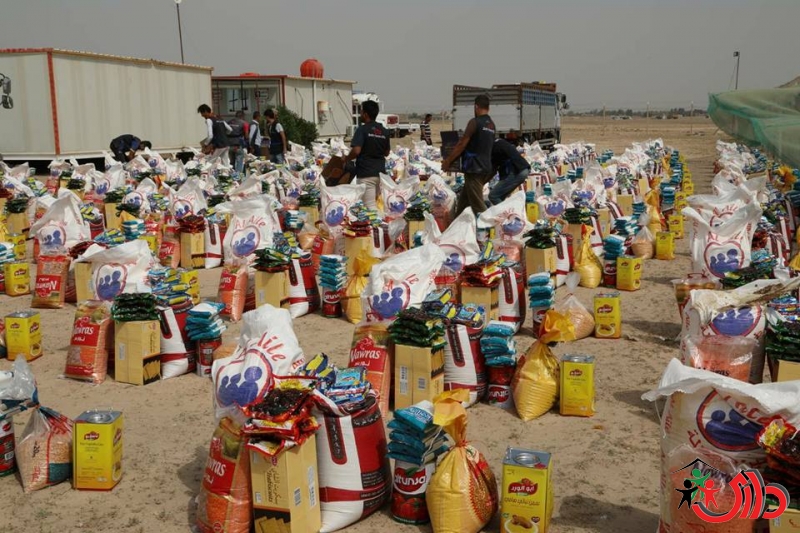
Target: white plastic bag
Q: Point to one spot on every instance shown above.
(251, 228)
(509, 217)
(114, 178)
(118, 270)
(396, 196)
(188, 200)
(402, 281)
(717, 248)
(459, 241)
(577, 313)
(335, 203)
(62, 226)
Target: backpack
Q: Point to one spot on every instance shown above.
(220, 138)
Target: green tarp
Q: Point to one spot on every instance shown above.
(769, 118)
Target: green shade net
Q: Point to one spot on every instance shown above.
(769, 118)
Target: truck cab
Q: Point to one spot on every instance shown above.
(389, 121)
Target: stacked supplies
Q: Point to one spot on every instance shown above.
(762, 266)
(204, 322)
(668, 195)
(333, 279)
(418, 205)
(439, 303)
(115, 196)
(283, 419)
(498, 345)
(541, 290)
(579, 215)
(361, 221)
(783, 330)
(294, 220)
(133, 229)
(638, 209)
(134, 307)
(7, 253)
(322, 370)
(110, 238)
(158, 202)
(626, 226)
(272, 260)
(192, 224)
(167, 287)
(350, 386)
(613, 247)
(541, 236)
(487, 272)
(414, 438)
(415, 327)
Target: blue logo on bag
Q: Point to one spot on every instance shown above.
(245, 241)
(334, 214)
(736, 322)
(555, 209)
(110, 281)
(722, 258)
(724, 427)
(513, 225)
(396, 204)
(391, 301)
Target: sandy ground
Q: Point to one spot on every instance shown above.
(606, 467)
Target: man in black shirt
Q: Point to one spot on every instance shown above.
(425, 130)
(512, 167)
(369, 147)
(475, 149)
(125, 147)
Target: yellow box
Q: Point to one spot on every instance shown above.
(788, 522)
(137, 352)
(84, 288)
(24, 335)
(272, 288)
(193, 250)
(540, 260)
(413, 227)
(286, 490)
(532, 211)
(576, 396)
(576, 230)
(112, 220)
(17, 278)
(192, 279)
(20, 246)
(312, 215)
(97, 450)
(354, 246)
(488, 297)
(629, 273)
(665, 245)
(787, 371)
(675, 222)
(526, 492)
(604, 220)
(18, 223)
(688, 187)
(644, 186)
(625, 203)
(418, 375)
(607, 316)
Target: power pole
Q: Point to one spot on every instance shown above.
(736, 84)
(180, 30)
(691, 116)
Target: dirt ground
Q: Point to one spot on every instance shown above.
(605, 468)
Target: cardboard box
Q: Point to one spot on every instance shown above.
(788, 522)
(540, 260)
(84, 288)
(112, 220)
(193, 250)
(352, 247)
(604, 219)
(312, 215)
(97, 450)
(286, 490)
(488, 297)
(413, 227)
(24, 335)
(272, 288)
(786, 370)
(137, 352)
(644, 186)
(625, 203)
(18, 223)
(17, 278)
(526, 491)
(576, 230)
(418, 375)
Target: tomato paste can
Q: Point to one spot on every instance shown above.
(205, 355)
(331, 303)
(8, 463)
(410, 482)
(500, 386)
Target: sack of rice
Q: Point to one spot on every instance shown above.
(44, 453)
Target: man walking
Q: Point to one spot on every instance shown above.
(425, 130)
(277, 138)
(369, 147)
(512, 167)
(216, 142)
(254, 136)
(475, 149)
(125, 147)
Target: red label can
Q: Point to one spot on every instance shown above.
(499, 390)
(8, 463)
(408, 497)
(205, 355)
(331, 303)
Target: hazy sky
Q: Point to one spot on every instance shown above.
(621, 53)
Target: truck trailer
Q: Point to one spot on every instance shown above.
(528, 111)
(60, 103)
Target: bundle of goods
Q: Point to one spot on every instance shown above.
(282, 419)
(762, 266)
(626, 226)
(614, 247)
(109, 238)
(276, 258)
(418, 205)
(350, 386)
(321, 369)
(169, 288)
(487, 271)
(579, 215)
(415, 327)
(294, 220)
(779, 441)
(361, 221)
(333, 279)
(462, 492)
(44, 450)
(133, 229)
(134, 307)
(498, 345)
(414, 443)
(204, 322)
(192, 224)
(577, 313)
(541, 295)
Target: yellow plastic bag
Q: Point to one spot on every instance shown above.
(794, 264)
(356, 285)
(587, 264)
(535, 383)
(656, 221)
(462, 493)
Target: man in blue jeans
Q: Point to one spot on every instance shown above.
(512, 167)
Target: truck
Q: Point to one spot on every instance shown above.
(67, 104)
(389, 121)
(524, 111)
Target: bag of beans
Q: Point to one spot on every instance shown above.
(233, 290)
(51, 282)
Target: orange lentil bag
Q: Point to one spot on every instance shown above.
(51, 282)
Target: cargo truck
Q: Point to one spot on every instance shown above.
(59, 103)
(527, 111)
